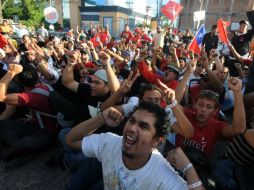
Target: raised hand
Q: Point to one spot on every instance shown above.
(104, 58)
(15, 68)
(190, 66)
(112, 117)
(167, 92)
(74, 57)
(90, 45)
(127, 83)
(235, 84)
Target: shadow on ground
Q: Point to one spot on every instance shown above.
(35, 175)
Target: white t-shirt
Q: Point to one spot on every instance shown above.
(156, 174)
(158, 40)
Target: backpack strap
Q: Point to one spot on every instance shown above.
(38, 116)
(38, 113)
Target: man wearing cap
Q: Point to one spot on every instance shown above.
(93, 94)
(240, 41)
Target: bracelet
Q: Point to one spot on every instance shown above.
(173, 104)
(194, 185)
(187, 167)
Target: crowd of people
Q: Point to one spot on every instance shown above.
(142, 112)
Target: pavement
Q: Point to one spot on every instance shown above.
(35, 175)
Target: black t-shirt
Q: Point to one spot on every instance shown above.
(210, 41)
(135, 88)
(84, 93)
(187, 39)
(22, 48)
(241, 42)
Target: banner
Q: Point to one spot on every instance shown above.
(199, 15)
(171, 10)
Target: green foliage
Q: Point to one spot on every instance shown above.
(29, 11)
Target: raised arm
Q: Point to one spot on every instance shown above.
(92, 50)
(12, 99)
(110, 117)
(181, 87)
(124, 89)
(182, 126)
(178, 159)
(112, 79)
(67, 77)
(239, 119)
(236, 55)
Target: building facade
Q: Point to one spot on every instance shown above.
(228, 10)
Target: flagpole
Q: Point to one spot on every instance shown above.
(201, 4)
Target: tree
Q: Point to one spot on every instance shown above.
(29, 11)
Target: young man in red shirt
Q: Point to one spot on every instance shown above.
(127, 34)
(207, 129)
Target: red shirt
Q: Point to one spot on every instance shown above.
(172, 84)
(137, 39)
(205, 137)
(40, 103)
(103, 37)
(151, 77)
(128, 35)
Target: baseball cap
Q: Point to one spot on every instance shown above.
(84, 51)
(172, 68)
(101, 74)
(243, 22)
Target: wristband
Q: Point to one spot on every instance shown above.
(173, 104)
(194, 185)
(187, 167)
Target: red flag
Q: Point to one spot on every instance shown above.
(171, 10)
(222, 31)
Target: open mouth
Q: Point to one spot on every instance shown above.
(130, 141)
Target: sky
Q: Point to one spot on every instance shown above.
(151, 2)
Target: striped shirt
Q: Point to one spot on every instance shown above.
(240, 151)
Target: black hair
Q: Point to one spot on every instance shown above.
(214, 26)
(147, 87)
(29, 76)
(160, 116)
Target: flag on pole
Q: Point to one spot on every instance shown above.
(171, 10)
(222, 31)
(196, 43)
